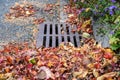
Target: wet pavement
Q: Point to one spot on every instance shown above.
(21, 30)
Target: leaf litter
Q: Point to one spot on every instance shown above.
(86, 62)
(91, 61)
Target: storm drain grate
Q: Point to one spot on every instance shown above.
(52, 34)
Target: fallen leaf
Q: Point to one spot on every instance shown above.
(107, 75)
(95, 73)
(86, 35)
(81, 74)
(47, 73)
(32, 60)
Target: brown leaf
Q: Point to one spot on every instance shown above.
(9, 59)
(7, 69)
(107, 75)
(81, 74)
(45, 73)
(95, 73)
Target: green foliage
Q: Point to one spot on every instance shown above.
(104, 10)
(115, 43)
(86, 14)
(115, 39)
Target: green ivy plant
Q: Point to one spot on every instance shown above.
(105, 12)
(115, 38)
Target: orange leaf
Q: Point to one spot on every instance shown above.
(9, 59)
(7, 70)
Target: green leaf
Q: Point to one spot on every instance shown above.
(114, 46)
(113, 40)
(33, 61)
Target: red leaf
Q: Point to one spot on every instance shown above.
(108, 55)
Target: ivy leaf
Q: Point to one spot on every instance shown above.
(113, 40)
(117, 19)
(114, 46)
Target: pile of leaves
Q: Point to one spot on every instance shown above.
(21, 10)
(91, 62)
(72, 14)
(83, 25)
(39, 21)
(50, 7)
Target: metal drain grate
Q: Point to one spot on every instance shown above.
(52, 34)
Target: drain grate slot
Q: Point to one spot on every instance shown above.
(52, 34)
(57, 42)
(56, 28)
(44, 41)
(67, 29)
(61, 25)
(63, 39)
(75, 42)
(45, 29)
(68, 38)
(50, 28)
(80, 37)
(50, 41)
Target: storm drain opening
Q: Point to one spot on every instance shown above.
(56, 28)
(62, 38)
(52, 34)
(51, 29)
(50, 41)
(45, 29)
(44, 41)
(75, 42)
(67, 29)
(57, 42)
(68, 38)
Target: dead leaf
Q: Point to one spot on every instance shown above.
(20, 10)
(95, 73)
(47, 73)
(86, 35)
(107, 75)
(39, 21)
(81, 74)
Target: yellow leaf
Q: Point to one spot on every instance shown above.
(110, 79)
(87, 9)
(95, 73)
(91, 65)
(84, 74)
(86, 23)
(1, 76)
(81, 74)
(107, 75)
(74, 79)
(65, 64)
(74, 59)
(114, 59)
(62, 70)
(109, 50)
(71, 15)
(50, 64)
